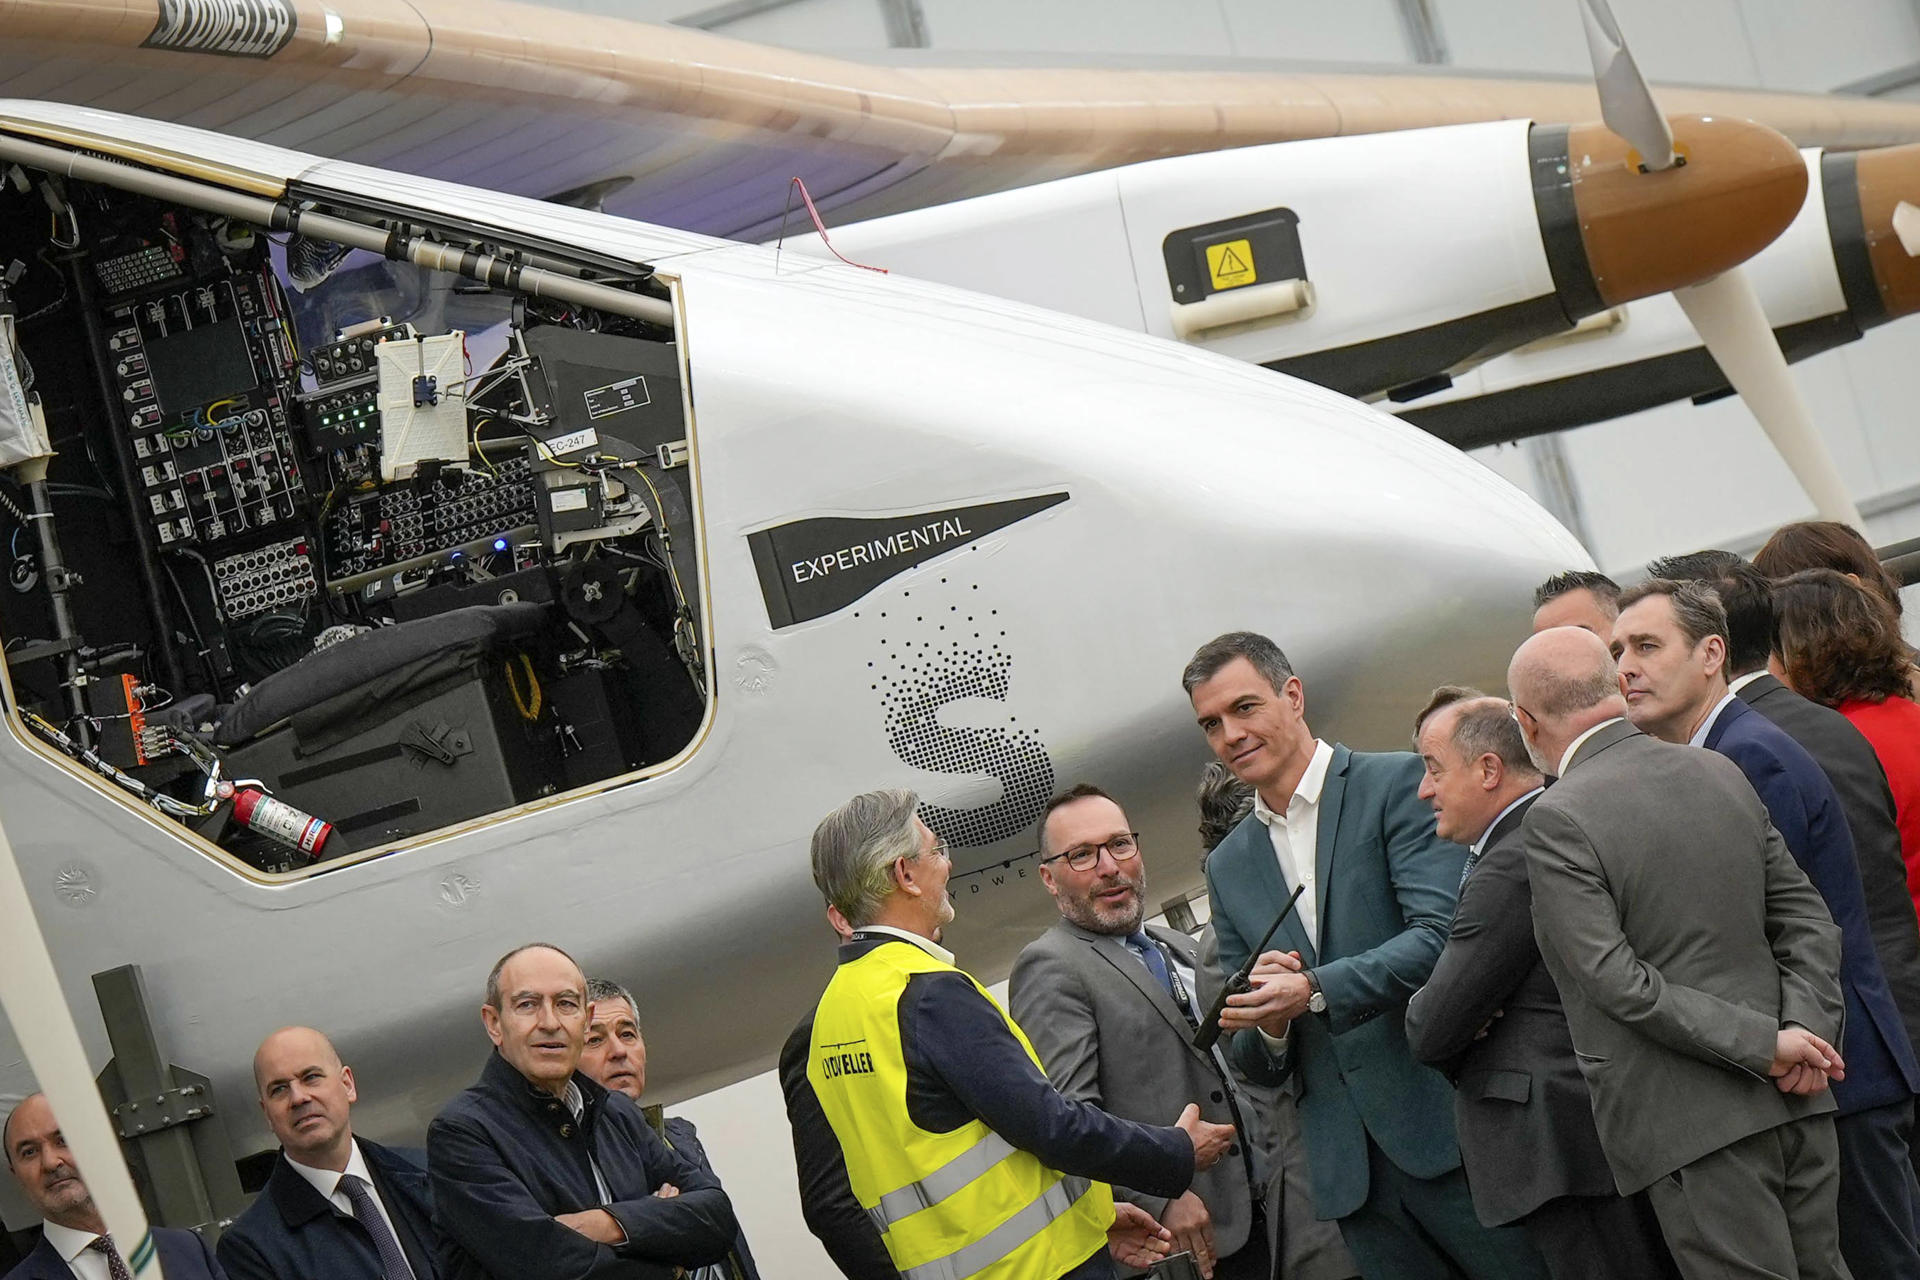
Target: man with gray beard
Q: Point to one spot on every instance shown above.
(1100, 980)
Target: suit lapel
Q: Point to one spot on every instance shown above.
(1333, 792)
(1115, 952)
(1728, 717)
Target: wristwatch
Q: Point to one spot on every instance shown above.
(1317, 999)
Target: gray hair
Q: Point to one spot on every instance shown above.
(1485, 726)
(854, 849)
(1216, 653)
(1441, 698)
(1224, 801)
(1696, 608)
(599, 989)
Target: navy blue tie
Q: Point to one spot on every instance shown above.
(1141, 945)
(393, 1259)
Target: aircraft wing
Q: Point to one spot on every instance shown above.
(686, 128)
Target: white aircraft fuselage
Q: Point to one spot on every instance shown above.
(1163, 495)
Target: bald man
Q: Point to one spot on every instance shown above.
(1699, 971)
(335, 1205)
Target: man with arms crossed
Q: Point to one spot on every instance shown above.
(1699, 970)
(539, 1173)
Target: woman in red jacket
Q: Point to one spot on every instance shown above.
(1840, 645)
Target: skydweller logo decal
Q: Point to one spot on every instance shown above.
(811, 568)
(238, 28)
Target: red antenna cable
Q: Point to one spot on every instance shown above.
(818, 226)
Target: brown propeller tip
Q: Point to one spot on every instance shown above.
(1740, 186)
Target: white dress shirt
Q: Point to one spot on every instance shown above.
(1738, 683)
(72, 1246)
(1295, 835)
(1581, 741)
(577, 1103)
(327, 1183)
(1699, 738)
(927, 945)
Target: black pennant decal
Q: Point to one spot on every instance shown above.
(811, 568)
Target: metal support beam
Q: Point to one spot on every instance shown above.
(1423, 32)
(906, 24)
(1555, 486)
(1883, 82)
(165, 1115)
(720, 15)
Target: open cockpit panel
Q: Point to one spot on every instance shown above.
(314, 546)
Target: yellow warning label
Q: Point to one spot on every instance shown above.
(1231, 264)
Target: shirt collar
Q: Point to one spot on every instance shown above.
(66, 1241)
(1307, 791)
(1581, 741)
(927, 945)
(1699, 738)
(326, 1181)
(1501, 817)
(1738, 683)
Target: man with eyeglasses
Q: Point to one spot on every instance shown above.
(1109, 1004)
(966, 1159)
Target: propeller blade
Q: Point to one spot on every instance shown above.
(30, 992)
(1727, 314)
(1626, 104)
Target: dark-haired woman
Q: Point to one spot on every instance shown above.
(1840, 645)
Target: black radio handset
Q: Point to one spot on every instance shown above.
(1242, 980)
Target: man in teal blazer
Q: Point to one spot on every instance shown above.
(1329, 995)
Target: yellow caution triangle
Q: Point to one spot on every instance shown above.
(1230, 264)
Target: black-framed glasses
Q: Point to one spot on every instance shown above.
(1084, 857)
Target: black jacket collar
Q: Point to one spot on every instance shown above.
(1508, 824)
(300, 1202)
(503, 1082)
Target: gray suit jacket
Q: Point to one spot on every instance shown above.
(1682, 937)
(1520, 1104)
(1109, 1034)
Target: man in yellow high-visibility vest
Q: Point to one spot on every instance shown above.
(968, 1162)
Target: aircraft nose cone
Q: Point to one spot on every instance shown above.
(1863, 188)
(1647, 233)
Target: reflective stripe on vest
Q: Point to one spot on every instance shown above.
(948, 1179)
(958, 1204)
(1005, 1238)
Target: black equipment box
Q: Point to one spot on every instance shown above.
(464, 751)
